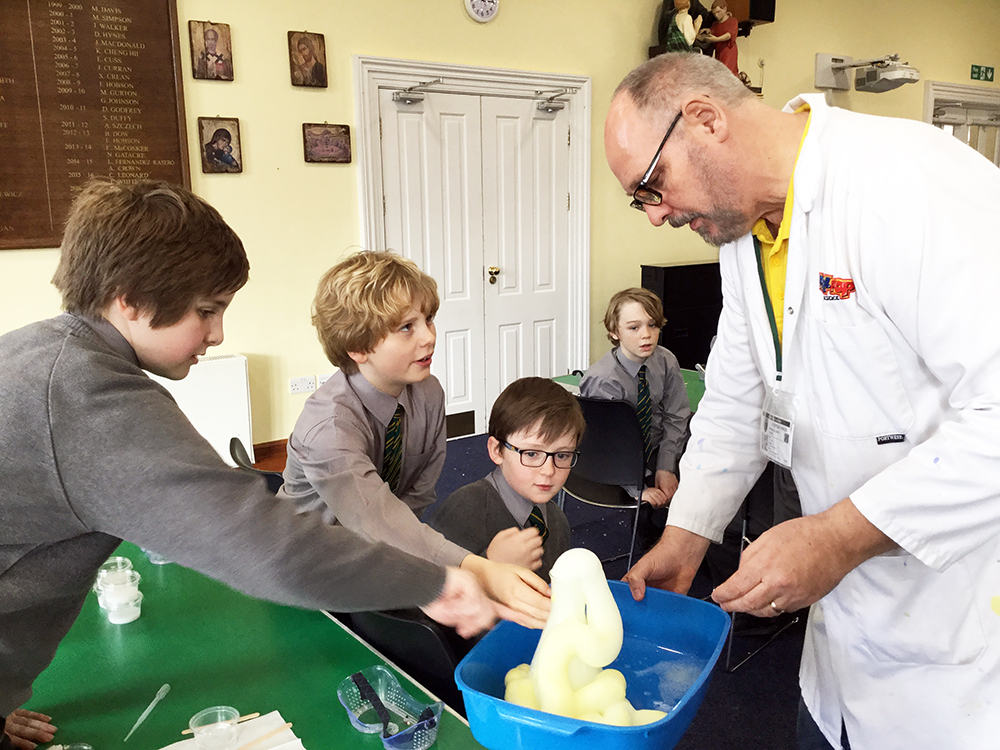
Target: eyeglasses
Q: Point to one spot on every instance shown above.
(644, 195)
(534, 459)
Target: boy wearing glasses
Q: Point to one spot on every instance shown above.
(535, 426)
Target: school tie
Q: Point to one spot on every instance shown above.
(644, 408)
(535, 519)
(392, 455)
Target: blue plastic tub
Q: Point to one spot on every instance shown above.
(671, 645)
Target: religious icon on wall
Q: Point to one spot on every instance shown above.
(307, 58)
(211, 50)
(326, 143)
(220, 144)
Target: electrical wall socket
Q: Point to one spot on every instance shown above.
(320, 379)
(306, 384)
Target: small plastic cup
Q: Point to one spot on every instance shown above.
(113, 569)
(155, 557)
(118, 588)
(120, 613)
(215, 728)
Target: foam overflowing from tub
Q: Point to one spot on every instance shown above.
(583, 635)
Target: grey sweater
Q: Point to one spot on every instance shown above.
(474, 514)
(95, 452)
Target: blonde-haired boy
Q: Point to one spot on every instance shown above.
(633, 320)
(374, 315)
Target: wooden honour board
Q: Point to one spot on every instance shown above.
(86, 88)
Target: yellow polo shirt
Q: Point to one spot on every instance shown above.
(774, 249)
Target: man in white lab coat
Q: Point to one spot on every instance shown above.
(857, 344)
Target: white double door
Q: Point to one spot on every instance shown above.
(476, 193)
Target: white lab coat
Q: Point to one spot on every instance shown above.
(906, 649)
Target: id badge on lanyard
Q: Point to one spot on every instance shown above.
(777, 426)
(777, 422)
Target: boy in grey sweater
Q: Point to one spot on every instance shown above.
(535, 426)
(96, 452)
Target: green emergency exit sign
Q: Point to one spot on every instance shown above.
(982, 73)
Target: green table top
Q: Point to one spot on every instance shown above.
(214, 646)
(692, 382)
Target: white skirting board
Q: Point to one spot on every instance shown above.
(215, 396)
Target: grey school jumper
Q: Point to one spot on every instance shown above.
(95, 452)
(474, 514)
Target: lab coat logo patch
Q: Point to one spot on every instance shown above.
(834, 288)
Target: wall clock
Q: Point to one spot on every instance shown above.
(482, 10)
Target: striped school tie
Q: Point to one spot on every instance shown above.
(392, 455)
(535, 519)
(644, 408)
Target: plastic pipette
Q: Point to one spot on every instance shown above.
(159, 696)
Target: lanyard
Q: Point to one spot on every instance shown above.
(768, 307)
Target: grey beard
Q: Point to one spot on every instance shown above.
(728, 225)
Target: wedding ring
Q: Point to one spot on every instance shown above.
(777, 611)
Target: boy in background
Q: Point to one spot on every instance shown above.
(369, 445)
(96, 452)
(648, 376)
(535, 426)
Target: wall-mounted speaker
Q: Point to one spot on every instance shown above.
(754, 11)
(762, 11)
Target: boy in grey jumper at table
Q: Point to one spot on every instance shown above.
(648, 376)
(369, 445)
(96, 452)
(535, 426)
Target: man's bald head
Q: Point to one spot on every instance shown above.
(659, 85)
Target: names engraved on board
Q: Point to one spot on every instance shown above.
(93, 91)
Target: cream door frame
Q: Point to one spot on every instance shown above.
(374, 73)
(965, 97)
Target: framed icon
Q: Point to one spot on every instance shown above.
(326, 143)
(211, 50)
(307, 59)
(220, 144)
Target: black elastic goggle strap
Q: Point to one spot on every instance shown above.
(368, 693)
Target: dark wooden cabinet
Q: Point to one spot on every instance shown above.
(692, 302)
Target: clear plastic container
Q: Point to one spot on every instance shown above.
(155, 557)
(215, 728)
(119, 587)
(121, 612)
(113, 570)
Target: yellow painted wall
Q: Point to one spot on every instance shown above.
(297, 219)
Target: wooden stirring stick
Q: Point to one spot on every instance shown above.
(266, 736)
(238, 721)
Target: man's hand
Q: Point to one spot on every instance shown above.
(800, 561)
(517, 546)
(27, 729)
(521, 596)
(670, 565)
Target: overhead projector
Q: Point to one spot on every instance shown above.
(884, 77)
(875, 75)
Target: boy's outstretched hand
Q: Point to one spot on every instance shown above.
(26, 729)
(517, 546)
(462, 605)
(521, 596)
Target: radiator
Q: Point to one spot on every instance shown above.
(215, 396)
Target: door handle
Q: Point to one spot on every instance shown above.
(493, 271)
